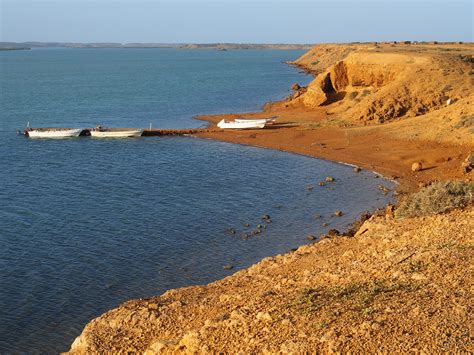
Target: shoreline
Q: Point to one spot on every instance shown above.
(360, 293)
(331, 151)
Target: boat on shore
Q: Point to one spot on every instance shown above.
(243, 124)
(101, 132)
(267, 121)
(52, 132)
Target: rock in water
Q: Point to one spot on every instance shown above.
(228, 267)
(311, 237)
(333, 232)
(295, 87)
(329, 179)
(338, 213)
(416, 167)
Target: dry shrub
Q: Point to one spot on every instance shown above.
(436, 198)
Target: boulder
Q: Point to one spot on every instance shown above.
(317, 92)
(416, 166)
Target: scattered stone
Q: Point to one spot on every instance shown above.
(259, 226)
(311, 237)
(416, 167)
(338, 213)
(231, 231)
(333, 232)
(384, 189)
(228, 267)
(330, 179)
(468, 164)
(322, 183)
(295, 87)
(264, 316)
(325, 224)
(265, 217)
(357, 169)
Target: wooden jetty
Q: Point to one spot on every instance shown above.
(156, 132)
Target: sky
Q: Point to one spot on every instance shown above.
(238, 21)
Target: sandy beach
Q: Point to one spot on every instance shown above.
(394, 284)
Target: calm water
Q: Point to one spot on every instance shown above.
(87, 224)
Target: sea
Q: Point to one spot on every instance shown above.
(87, 224)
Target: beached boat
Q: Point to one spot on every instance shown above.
(268, 121)
(53, 132)
(100, 132)
(240, 125)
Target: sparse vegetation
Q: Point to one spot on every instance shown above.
(358, 297)
(464, 122)
(436, 198)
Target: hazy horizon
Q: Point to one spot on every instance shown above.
(231, 21)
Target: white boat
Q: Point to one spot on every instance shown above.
(53, 132)
(257, 120)
(240, 125)
(100, 132)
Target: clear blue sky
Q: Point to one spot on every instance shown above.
(259, 21)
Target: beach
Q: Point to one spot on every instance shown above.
(392, 284)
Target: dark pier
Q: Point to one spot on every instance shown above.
(156, 132)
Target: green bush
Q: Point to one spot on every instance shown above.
(436, 198)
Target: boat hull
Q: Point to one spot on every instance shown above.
(60, 133)
(117, 134)
(269, 121)
(241, 125)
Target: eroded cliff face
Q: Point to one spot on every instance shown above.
(364, 84)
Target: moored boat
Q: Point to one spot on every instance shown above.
(241, 125)
(100, 132)
(53, 132)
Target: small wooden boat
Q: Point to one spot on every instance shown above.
(52, 132)
(240, 125)
(101, 132)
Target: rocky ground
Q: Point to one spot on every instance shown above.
(395, 286)
(398, 285)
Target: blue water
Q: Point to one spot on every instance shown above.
(87, 224)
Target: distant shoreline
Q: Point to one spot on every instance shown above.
(216, 46)
(15, 49)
